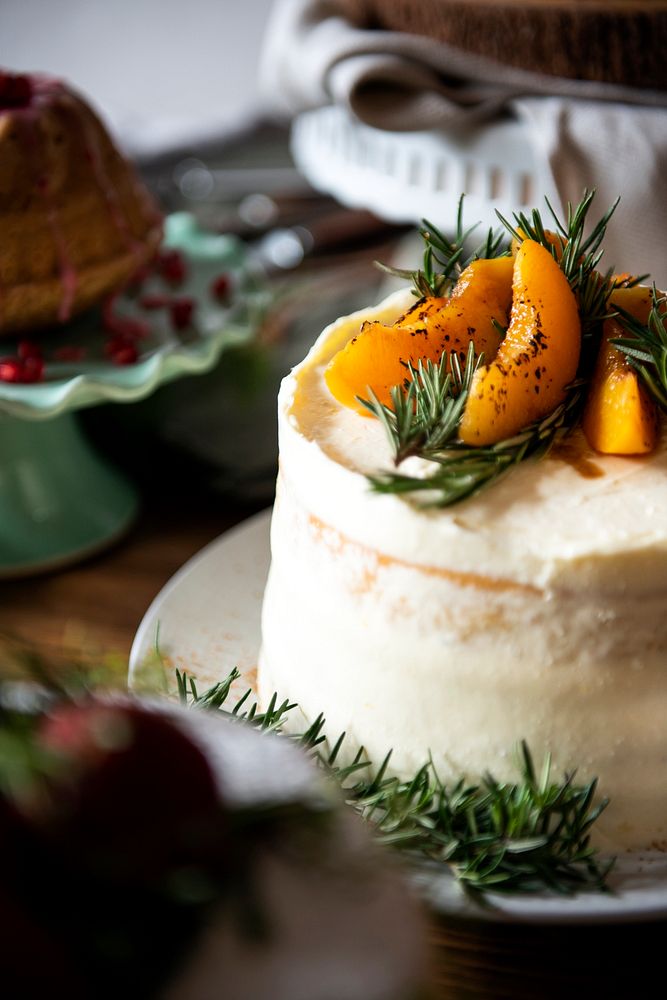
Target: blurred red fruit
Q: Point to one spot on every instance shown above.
(221, 289)
(181, 312)
(135, 798)
(172, 267)
(11, 370)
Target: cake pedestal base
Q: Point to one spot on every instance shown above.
(59, 501)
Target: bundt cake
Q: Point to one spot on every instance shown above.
(75, 220)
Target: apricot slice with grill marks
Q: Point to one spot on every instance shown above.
(537, 359)
(378, 356)
(620, 417)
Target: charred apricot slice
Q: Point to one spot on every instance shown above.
(537, 359)
(620, 417)
(378, 356)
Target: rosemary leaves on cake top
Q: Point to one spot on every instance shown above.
(529, 392)
(645, 346)
(445, 260)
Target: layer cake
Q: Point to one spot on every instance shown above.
(533, 610)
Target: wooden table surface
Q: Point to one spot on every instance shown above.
(98, 604)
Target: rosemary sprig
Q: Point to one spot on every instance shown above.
(464, 470)
(646, 346)
(445, 259)
(524, 836)
(425, 412)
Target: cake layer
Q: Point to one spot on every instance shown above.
(532, 611)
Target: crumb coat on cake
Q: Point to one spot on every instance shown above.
(533, 610)
(76, 223)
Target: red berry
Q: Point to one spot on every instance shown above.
(11, 370)
(135, 797)
(33, 368)
(181, 311)
(126, 326)
(122, 326)
(28, 349)
(26, 369)
(127, 355)
(221, 288)
(153, 301)
(171, 265)
(121, 350)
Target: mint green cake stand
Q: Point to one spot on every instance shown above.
(59, 500)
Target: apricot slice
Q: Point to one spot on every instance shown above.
(537, 359)
(620, 417)
(378, 356)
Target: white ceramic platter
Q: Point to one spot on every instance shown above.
(207, 620)
(408, 176)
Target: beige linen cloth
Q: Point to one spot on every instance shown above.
(609, 137)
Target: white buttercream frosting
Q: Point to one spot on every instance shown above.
(535, 610)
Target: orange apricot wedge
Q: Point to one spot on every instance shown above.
(378, 357)
(537, 359)
(620, 417)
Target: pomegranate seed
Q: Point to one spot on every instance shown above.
(28, 349)
(181, 311)
(126, 355)
(121, 350)
(125, 326)
(11, 370)
(33, 368)
(69, 352)
(171, 265)
(154, 301)
(221, 288)
(115, 343)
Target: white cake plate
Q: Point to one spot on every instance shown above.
(207, 621)
(408, 176)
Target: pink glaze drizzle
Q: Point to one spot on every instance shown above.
(43, 91)
(68, 275)
(109, 193)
